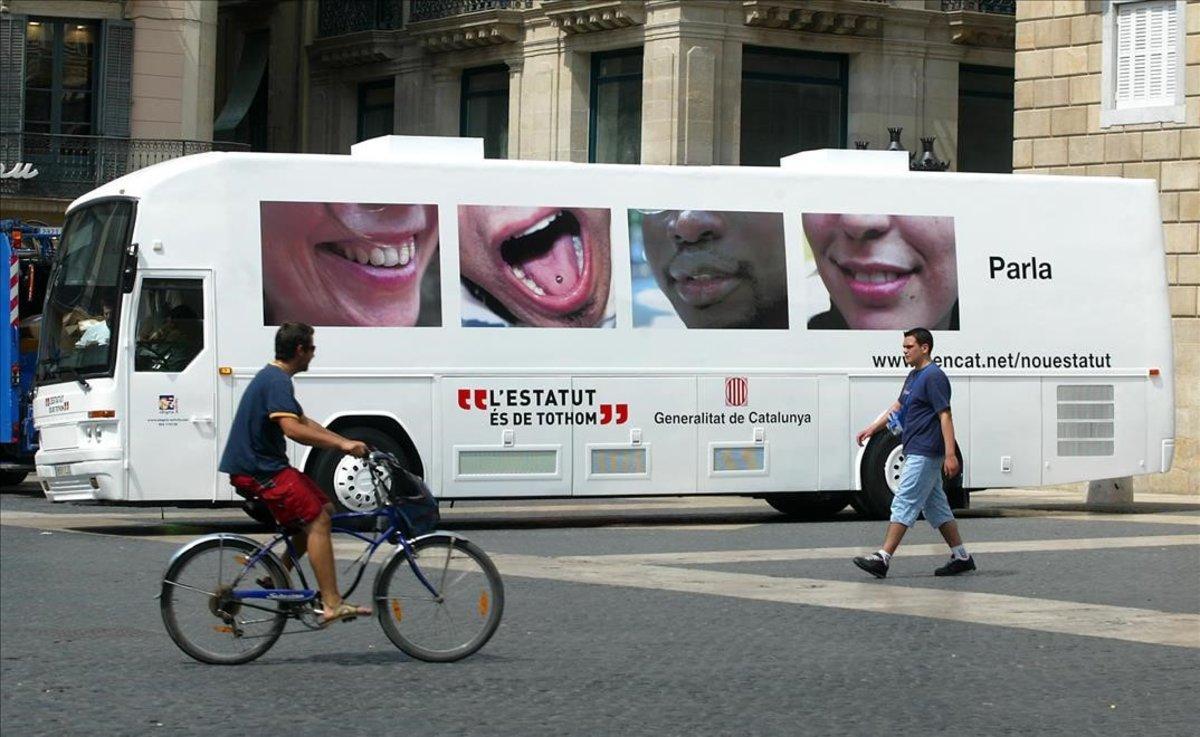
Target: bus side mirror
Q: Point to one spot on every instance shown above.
(129, 270)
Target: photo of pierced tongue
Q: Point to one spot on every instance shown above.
(535, 266)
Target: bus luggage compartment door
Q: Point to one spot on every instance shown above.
(172, 446)
(638, 435)
(506, 436)
(766, 437)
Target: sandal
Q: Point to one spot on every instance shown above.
(343, 612)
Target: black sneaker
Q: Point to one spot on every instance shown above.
(956, 566)
(872, 564)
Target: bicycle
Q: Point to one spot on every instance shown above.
(226, 598)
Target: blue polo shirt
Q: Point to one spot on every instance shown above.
(257, 446)
(926, 392)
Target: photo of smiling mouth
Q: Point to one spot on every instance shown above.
(548, 259)
(380, 255)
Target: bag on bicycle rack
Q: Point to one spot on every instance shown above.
(416, 502)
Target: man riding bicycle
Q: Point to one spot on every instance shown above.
(256, 460)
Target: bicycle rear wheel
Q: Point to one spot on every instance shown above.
(452, 625)
(201, 616)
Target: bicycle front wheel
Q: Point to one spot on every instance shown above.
(202, 616)
(455, 622)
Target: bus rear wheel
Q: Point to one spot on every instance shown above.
(12, 478)
(345, 478)
(882, 462)
(812, 505)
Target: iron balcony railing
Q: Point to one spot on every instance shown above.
(433, 9)
(999, 7)
(339, 17)
(68, 166)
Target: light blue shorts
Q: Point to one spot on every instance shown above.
(921, 491)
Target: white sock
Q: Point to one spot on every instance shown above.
(960, 552)
(887, 557)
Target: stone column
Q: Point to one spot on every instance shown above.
(516, 68)
(447, 97)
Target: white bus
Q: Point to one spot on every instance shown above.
(544, 329)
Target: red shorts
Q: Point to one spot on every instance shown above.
(293, 498)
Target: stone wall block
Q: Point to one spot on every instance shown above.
(1052, 92)
(1189, 206)
(1066, 121)
(1189, 270)
(1033, 64)
(1183, 301)
(1104, 170)
(1181, 237)
(1123, 147)
(1085, 29)
(1193, 49)
(1189, 143)
(1022, 154)
(1053, 32)
(1158, 145)
(1049, 151)
(1086, 149)
(1023, 94)
(1172, 268)
(1031, 123)
(1030, 9)
(1069, 7)
(1070, 60)
(1095, 58)
(1143, 170)
(1168, 206)
(1025, 36)
(1084, 89)
(1181, 175)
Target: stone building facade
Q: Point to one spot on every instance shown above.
(666, 81)
(91, 88)
(1070, 119)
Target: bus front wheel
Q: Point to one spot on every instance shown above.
(882, 462)
(345, 478)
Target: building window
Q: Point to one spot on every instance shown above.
(376, 105)
(1142, 67)
(60, 76)
(791, 101)
(484, 111)
(985, 119)
(616, 107)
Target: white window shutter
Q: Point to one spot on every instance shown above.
(1146, 53)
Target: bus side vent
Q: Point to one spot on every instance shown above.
(618, 461)
(1086, 420)
(507, 462)
(747, 458)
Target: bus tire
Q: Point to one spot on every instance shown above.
(325, 464)
(880, 471)
(12, 478)
(812, 505)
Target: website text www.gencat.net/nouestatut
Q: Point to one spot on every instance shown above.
(1017, 360)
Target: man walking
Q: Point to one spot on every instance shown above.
(922, 413)
(256, 460)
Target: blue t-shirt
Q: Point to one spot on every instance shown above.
(926, 392)
(256, 445)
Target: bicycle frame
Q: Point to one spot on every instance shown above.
(394, 518)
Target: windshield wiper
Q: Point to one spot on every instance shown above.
(74, 374)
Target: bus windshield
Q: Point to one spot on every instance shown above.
(79, 322)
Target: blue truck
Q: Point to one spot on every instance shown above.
(28, 251)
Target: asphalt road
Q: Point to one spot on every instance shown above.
(640, 617)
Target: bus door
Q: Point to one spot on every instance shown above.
(171, 446)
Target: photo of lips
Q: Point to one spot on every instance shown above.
(884, 272)
(535, 266)
(713, 269)
(348, 264)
